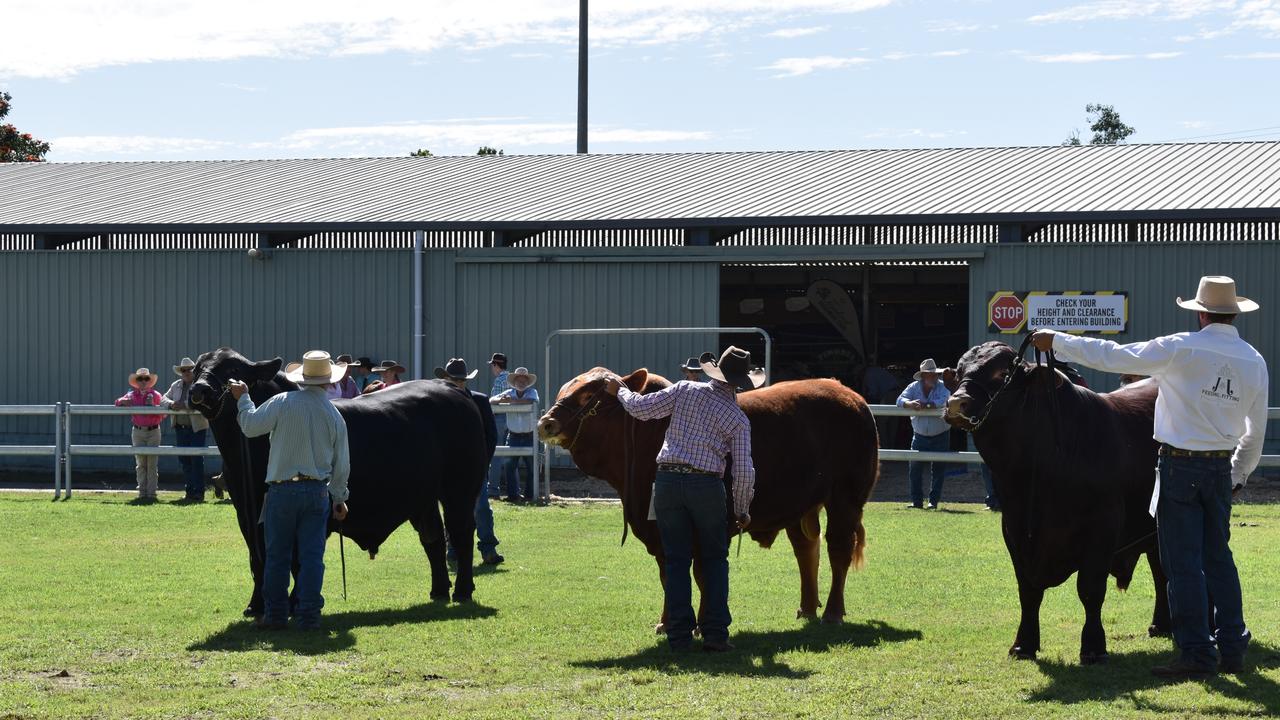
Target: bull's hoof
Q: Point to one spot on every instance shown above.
(803, 614)
(1156, 631)
(1017, 652)
(252, 612)
(462, 597)
(832, 618)
(1093, 658)
(660, 629)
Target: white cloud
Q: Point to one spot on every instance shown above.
(90, 34)
(951, 26)
(1262, 16)
(897, 55)
(949, 53)
(242, 88)
(794, 67)
(88, 146)
(1094, 57)
(912, 133)
(1256, 56)
(1193, 124)
(797, 32)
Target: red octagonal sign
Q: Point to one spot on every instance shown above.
(1007, 313)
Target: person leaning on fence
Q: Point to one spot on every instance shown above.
(498, 368)
(146, 429)
(189, 427)
(1210, 421)
(520, 426)
(307, 473)
(361, 373)
(929, 434)
(689, 494)
(455, 373)
(388, 374)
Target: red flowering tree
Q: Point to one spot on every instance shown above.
(16, 146)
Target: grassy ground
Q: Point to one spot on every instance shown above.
(119, 611)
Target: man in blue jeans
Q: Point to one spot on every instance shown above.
(929, 433)
(307, 474)
(689, 495)
(455, 373)
(1210, 421)
(190, 429)
(520, 427)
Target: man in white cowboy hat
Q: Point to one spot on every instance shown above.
(928, 433)
(146, 430)
(1210, 421)
(692, 370)
(307, 473)
(455, 373)
(520, 427)
(189, 427)
(689, 496)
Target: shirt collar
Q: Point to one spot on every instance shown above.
(1221, 329)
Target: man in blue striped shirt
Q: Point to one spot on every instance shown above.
(307, 473)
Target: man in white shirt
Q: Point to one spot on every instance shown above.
(1210, 421)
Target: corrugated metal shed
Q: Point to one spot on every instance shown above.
(1118, 183)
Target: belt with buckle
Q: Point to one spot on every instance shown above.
(1171, 451)
(146, 427)
(682, 469)
(303, 478)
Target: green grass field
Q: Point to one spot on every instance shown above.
(118, 611)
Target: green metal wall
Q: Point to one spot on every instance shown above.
(77, 323)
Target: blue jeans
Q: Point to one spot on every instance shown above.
(192, 467)
(497, 465)
(915, 470)
(1193, 520)
(295, 516)
(691, 510)
(511, 467)
(486, 541)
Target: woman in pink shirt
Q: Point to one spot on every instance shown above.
(146, 429)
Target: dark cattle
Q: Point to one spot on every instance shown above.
(415, 447)
(1074, 471)
(813, 444)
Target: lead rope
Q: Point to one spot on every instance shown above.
(628, 444)
(342, 553)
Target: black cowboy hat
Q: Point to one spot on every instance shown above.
(455, 369)
(498, 359)
(733, 367)
(692, 365)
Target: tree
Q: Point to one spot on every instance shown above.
(16, 146)
(1106, 125)
(486, 150)
(421, 152)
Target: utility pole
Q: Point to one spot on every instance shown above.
(582, 77)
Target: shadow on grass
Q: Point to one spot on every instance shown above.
(1123, 675)
(756, 652)
(335, 633)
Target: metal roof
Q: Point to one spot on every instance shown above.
(1017, 184)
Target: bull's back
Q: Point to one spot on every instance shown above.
(411, 427)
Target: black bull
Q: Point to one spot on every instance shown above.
(1074, 471)
(416, 447)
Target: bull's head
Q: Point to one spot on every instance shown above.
(574, 422)
(213, 372)
(986, 371)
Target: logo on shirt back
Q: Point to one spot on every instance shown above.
(1226, 387)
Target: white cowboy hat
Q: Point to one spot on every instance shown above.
(521, 378)
(1217, 294)
(928, 366)
(733, 367)
(315, 369)
(185, 363)
(137, 376)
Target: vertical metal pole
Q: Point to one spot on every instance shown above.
(546, 449)
(57, 450)
(66, 447)
(417, 304)
(533, 464)
(867, 341)
(582, 77)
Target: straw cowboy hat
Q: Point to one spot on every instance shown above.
(733, 367)
(521, 378)
(142, 379)
(315, 369)
(455, 369)
(1217, 294)
(928, 367)
(692, 365)
(390, 366)
(185, 363)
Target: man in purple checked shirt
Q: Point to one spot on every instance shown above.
(689, 495)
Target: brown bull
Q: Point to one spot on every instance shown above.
(814, 445)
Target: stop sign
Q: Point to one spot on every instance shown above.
(1007, 313)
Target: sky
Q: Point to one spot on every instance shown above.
(234, 79)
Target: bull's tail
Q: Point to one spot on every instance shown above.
(859, 545)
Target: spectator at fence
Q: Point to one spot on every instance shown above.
(520, 427)
(347, 385)
(388, 374)
(692, 370)
(929, 434)
(455, 373)
(498, 368)
(360, 372)
(189, 427)
(146, 429)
